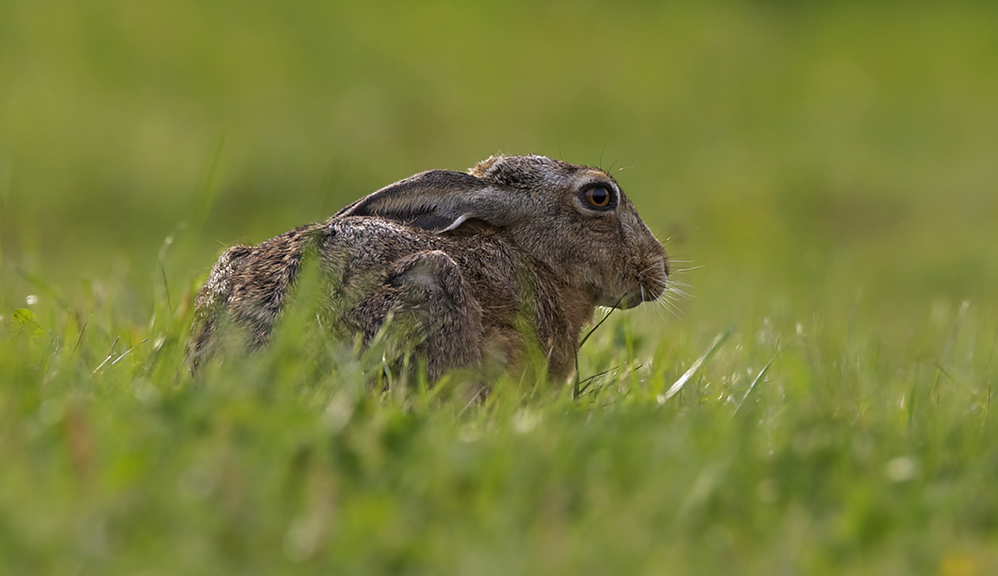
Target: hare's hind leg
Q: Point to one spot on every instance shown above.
(428, 289)
(211, 304)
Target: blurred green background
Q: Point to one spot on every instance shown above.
(807, 155)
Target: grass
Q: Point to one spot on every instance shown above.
(819, 405)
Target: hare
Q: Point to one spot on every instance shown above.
(517, 252)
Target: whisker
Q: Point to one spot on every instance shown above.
(673, 299)
(659, 310)
(690, 269)
(680, 313)
(657, 281)
(679, 292)
(652, 270)
(668, 302)
(670, 307)
(648, 268)
(657, 306)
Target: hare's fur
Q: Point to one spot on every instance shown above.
(485, 263)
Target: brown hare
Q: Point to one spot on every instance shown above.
(517, 252)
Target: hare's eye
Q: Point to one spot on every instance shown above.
(598, 197)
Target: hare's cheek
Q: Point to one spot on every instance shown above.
(603, 228)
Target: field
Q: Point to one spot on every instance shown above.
(823, 175)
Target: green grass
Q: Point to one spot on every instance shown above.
(827, 173)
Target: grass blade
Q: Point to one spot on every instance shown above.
(695, 367)
(758, 377)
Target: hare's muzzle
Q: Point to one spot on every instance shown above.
(648, 284)
(653, 279)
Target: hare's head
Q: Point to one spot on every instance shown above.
(574, 219)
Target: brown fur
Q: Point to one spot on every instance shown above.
(480, 263)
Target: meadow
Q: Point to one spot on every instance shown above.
(823, 175)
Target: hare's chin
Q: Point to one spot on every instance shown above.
(625, 302)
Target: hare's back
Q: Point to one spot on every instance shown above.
(364, 242)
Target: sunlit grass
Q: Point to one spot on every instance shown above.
(813, 447)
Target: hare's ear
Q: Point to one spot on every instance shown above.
(439, 200)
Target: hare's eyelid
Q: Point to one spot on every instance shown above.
(599, 184)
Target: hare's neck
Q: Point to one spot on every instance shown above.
(562, 311)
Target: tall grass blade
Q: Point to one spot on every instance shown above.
(696, 366)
